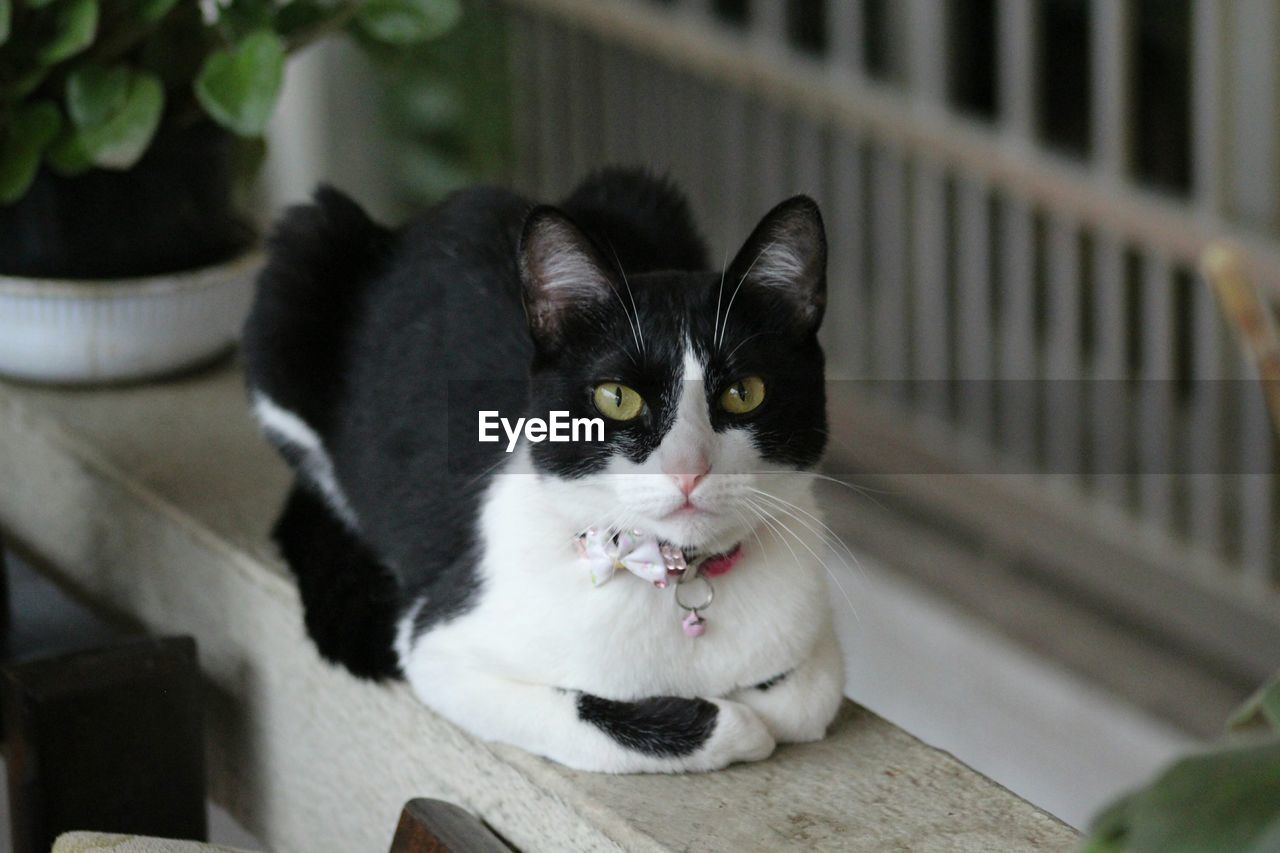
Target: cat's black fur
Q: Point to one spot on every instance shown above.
(661, 725)
(360, 332)
(386, 344)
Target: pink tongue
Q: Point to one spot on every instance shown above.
(721, 563)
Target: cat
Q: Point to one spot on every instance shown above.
(422, 553)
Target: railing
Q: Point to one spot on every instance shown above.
(1053, 296)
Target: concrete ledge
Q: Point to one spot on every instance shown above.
(155, 502)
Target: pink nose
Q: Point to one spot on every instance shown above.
(686, 483)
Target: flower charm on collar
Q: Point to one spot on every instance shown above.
(641, 554)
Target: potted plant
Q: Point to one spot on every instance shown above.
(125, 127)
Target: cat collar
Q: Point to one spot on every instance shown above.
(605, 552)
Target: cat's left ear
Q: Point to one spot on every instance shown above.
(562, 275)
(786, 258)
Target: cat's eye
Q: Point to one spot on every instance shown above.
(743, 395)
(618, 402)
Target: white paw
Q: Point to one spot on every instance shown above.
(740, 735)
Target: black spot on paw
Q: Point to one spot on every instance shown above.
(772, 682)
(666, 726)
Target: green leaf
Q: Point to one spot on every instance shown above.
(24, 84)
(31, 128)
(151, 11)
(6, 18)
(408, 21)
(298, 16)
(238, 87)
(67, 156)
(1261, 711)
(37, 4)
(95, 92)
(122, 137)
(1216, 802)
(75, 23)
(115, 113)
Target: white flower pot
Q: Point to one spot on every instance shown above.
(77, 332)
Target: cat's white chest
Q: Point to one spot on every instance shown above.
(539, 618)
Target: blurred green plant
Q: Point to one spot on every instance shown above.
(1223, 801)
(87, 84)
(447, 108)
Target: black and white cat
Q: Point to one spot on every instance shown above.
(423, 553)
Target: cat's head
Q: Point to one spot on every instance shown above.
(710, 384)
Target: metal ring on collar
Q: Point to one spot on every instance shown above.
(710, 595)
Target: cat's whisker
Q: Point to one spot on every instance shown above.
(821, 562)
(755, 531)
(745, 340)
(720, 293)
(774, 524)
(792, 507)
(488, 470)
(634, 333)
(725, 327)
(827, 537)
(772, 529)
(638, 328)
(860, 491)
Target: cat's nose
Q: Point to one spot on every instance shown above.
(687, 482)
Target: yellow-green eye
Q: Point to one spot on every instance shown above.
(617, 401)
(743, 396)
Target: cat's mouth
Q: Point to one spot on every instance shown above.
(688, 509)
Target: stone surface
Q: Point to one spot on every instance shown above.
(155, 501)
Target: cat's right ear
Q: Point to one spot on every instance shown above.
(562, 275)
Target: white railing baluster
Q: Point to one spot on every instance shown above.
(974, 329)
(1253, 110)
(889, 265)
(1208, 117)
(846, 284)
(846, 31)
(698, 7)
(930, 330)
(1257, 486)
(927, 51)
(1063, 367)
(926, 57)
(1109, 409)
(1109, 84)
(1205, 434)
(1016, 42)
(769, 21)
(1156, 416)
(1018, 358)
(1207, 489)
(1109, 81)
(810, 174)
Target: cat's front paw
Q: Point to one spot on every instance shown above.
(740, 735)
